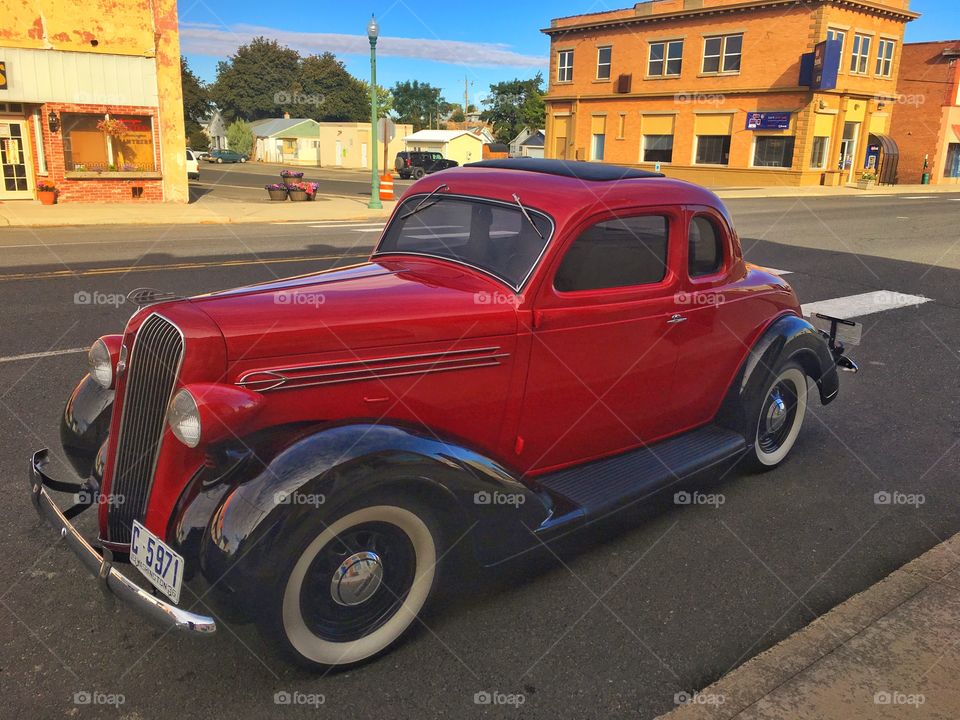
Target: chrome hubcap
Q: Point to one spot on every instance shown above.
(776, 412)
(357, 579)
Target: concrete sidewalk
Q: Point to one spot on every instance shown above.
(205, 211)
(893, 651)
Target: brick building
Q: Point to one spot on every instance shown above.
(91, 101)
(728, 92)
(926, 115)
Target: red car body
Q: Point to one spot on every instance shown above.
(524, 381)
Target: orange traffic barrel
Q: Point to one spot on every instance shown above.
(386, 186)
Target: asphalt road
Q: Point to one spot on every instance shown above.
(242, 182)
(616, 620)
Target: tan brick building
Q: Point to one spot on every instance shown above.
(711, 89)
(926, 114)
(91, 101)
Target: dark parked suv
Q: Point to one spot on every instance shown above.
(417, 164)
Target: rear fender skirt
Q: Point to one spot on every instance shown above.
(480, 503)
(85, 424)
(787, 338)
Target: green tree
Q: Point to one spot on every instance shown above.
(325, 91)
(384, 100)
(419, 104)
(256, 80)
(197, 139)
(196, 106)
(458, 116)
(240, 137)
(514, 105)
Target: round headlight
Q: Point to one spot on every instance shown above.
(184, 419)
(100, 364)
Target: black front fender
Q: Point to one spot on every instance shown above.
(85, 424)
(479, 502)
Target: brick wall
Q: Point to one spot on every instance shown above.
(926, 102)
(104, 188)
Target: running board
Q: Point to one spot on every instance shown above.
(601, 486)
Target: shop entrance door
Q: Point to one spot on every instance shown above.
(16, 182)
(848, 147)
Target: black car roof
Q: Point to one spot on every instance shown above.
(594, 172)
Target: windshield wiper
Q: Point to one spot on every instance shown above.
(420, 206)
(527, 215)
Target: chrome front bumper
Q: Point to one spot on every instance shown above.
(112, 581)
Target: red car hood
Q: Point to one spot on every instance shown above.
(382, 303)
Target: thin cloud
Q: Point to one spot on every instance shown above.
(204, 39)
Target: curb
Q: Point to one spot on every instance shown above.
(762, 675)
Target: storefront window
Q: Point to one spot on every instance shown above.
(658, 148)
(952, 168)
(108, 143)
(774, 151)
(713, 149)
(818, 158)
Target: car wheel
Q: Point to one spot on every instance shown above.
(419, 173)
(243, 160)
(355, 585)
(776, 415)
(220, 161)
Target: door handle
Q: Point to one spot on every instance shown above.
(676, 320)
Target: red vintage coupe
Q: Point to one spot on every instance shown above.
(533, 345)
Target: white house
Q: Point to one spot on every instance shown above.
(463, 146)
(529, 143)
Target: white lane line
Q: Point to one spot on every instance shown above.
(853, 306)
(50, 353)
(917, 197)
(370, 230)
(347, 227)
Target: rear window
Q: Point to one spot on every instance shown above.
(616, 253)
(493, 237)
(705, 247)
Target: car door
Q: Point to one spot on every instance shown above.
(718, 315)
(601, 353)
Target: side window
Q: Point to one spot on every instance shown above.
(705, 247)
(616, 253)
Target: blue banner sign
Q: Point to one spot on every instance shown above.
(768, 120)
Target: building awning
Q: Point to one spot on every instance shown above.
(890, 159)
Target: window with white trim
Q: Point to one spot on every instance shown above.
(885, 50)
(721, 54)
(860, 55)
(818, 157)
(841, 35)
(666, 58)
(604, 56)
(565, 66)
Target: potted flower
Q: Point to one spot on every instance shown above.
(312, 189)
(291, 177)
(277, 191)
(47, 193)
(298, 191)
(867, 180)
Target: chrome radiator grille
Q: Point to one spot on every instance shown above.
(153, 368)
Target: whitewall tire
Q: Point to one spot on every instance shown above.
(778, 416)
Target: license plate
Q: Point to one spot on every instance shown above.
(848, 331)
(160, 564)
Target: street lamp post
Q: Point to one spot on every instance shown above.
(373, 31)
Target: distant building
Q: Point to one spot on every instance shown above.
(303, 141)
(91, 101)
(464, 146)
(926, 112)
(529, 143)
(730, 92)
(215, 128)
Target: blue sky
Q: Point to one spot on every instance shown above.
(442, 43)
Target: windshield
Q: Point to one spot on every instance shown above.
(496, 238)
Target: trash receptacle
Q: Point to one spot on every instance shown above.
(925, 179)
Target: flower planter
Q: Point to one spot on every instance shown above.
(865, 184)
(47, 197)
(277, 195)
(298, 195)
